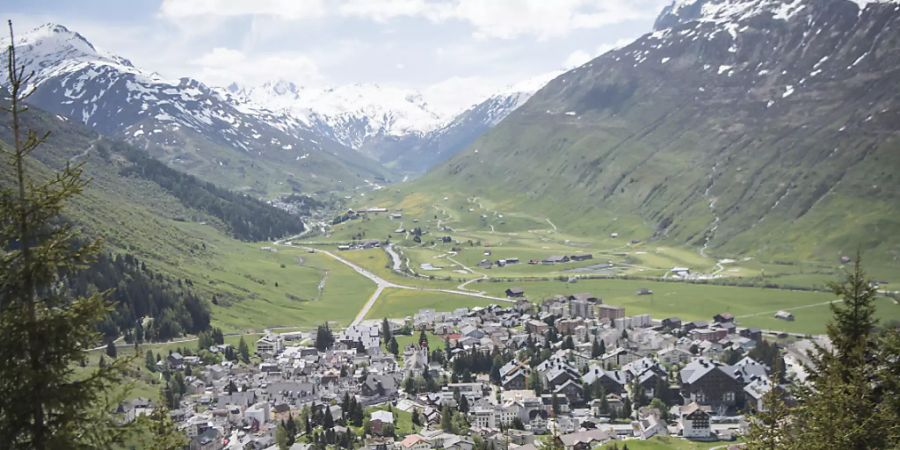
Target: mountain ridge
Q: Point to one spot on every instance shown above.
(750, 133)
(184, 123)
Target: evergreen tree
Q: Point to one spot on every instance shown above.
(596, 350)
(446, 419)
(415, 418)
(328, 422)
(626, 408)
(111, 349)
(850, 402)
(281, 436)
(150, 361)
(768, 428)
(393, 346)
(423, 338)
(244, 351)
(463, 404)
(43, 331)
(568, 343)
(535, 383)
(386, 333)
(324, 338)
(161, 432)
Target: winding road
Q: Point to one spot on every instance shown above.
(381, 284)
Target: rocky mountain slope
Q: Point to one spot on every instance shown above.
(736, 126)
(397, 127)
(182, 122)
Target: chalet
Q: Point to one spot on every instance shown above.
(414, 442)
(584, 297)
(671, 323)
(784, 315)
(710, 383)
(619, 357)
(396, 215)
(680, 272)
(755, 392)
(378, 387)
(694, 421)
(581, 257)
(751, 333)
(515, 292)
(723, 318)
(514, 378)
(584, 440)
(175, 360)
(708, 334)
(379, 420)
(613, 381)
(644, 291)
(555, 260)
(695, 324)
(370, 243)
(512, 260)
(649, 424)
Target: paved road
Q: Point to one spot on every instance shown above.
(382, 284)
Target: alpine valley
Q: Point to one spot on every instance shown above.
(689, 240)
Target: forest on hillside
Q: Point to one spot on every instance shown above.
(246, 218)
(148, 306)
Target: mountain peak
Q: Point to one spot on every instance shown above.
(52, 37)
(684, 11)
(52, 47)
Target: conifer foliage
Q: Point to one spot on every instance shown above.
(851, 400)
(43, 332)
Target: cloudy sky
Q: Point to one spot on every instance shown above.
(454, 51)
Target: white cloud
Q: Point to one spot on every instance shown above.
(288, 9)
(504, 19)
(576, 58)
(383, 10)
(222, 66)
(507, 19)
(457, 94)
(580, 57)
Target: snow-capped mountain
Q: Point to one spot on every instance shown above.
(396, 126)
(734, 124)
(235, 135)
(352, 113)
(183, 122)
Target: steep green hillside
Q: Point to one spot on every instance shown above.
(185, 231)
(744, 142)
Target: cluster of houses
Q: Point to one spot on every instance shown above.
(573, 369)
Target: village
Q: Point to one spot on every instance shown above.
(569, 372)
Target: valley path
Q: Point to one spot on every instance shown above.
(381, 284)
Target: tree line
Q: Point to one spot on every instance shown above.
(136, 292)
(246, 218)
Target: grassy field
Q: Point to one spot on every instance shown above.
(402, 420)
(638, 265)
(665, 443)
(398, 303)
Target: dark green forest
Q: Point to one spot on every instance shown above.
(137, 292)
(247, 218)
